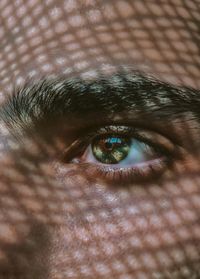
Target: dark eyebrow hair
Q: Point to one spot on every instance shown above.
(121, 92)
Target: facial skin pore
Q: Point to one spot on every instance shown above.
(67, 67)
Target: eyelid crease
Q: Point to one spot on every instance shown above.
(148, 135)
(133, 127)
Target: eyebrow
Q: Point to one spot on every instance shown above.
(122, 92)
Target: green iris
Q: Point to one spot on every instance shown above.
(111, 150)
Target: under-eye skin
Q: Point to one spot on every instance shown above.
(122, 154)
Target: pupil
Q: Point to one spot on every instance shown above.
(108, 145)
(111, 150)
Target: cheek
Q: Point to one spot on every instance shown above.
(127, 230)
(81, 227)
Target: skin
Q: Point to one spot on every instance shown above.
(59, 222)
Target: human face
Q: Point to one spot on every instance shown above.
(90, 76)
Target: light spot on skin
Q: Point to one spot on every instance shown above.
(163, 259)
(99, 231)
(102, 269)
(135, 242)
(168, 237)
(70, 5)
(148, 261)
(55, 13)
(7, 234)
(71, 273)
(94, 16)
(76, 21)
(61, 27)
(173, 218)
(132, 210)
(86, 270)
(125, 9)
(125, 276)
(118, 266)
(47, 67)
(152, 240)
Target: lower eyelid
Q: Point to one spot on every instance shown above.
(136, 174)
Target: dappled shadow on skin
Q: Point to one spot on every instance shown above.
(28, 259)
(79, 224)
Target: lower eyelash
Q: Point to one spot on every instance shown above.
(140, 173)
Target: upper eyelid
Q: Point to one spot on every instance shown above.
(139, 127)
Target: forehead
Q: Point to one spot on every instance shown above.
(39, 38)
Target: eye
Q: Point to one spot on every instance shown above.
(123, 154)
(119, 151)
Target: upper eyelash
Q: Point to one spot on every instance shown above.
(80, 144)
(135, 133)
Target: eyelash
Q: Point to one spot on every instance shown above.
(147, 172)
